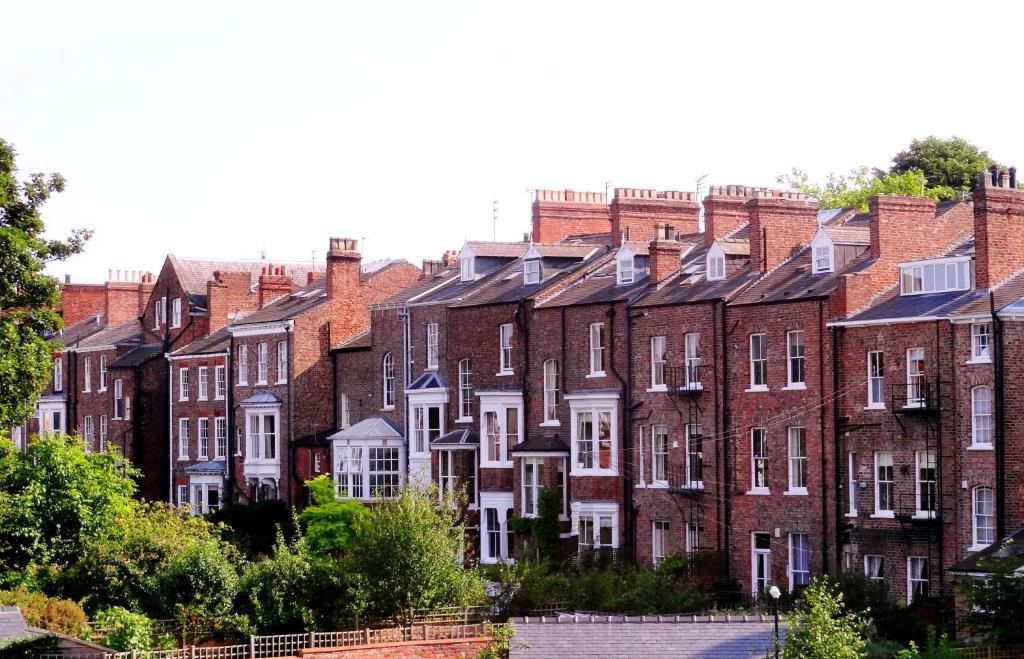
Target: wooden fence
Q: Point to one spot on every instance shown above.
(991, 652)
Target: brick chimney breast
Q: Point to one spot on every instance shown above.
(561, 213)
(665, 254)
(343, 264)
(780, 224)
(725, 210)
(637, 213)
(998, 227)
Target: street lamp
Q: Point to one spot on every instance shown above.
(776, 593)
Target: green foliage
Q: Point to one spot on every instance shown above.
(330, 523)
(55, 499)
(951, 164)
(122, 630)
(51, 613)
(995, 602)
(857, 187)
(822, 628)
(541, 533)
(935, 648)
(28, 297)
(500, 643)
(199, 583)
(253, 527)
(407, 556)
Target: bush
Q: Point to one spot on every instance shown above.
(122, 630)
(199, 584)
(822, 628)
(253, 527)
(330, 524)
(891, 620)
(51, 613)
(30, 648)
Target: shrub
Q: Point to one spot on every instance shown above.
(253, 527)
(199, 583)
(122, 630)
(51, 613)
(822, 628)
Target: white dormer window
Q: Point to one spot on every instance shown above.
(938, 276)
(625, 270)
(466, 268)
(822, 253)
(531, 272)
(716, 263)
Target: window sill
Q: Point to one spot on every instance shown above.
(924, 514)
(260, 383)
(464, 419)
(596, 374)
(183, 400)
(693, 386)
(502, 374)
(657, 485)
(797, 386)
(795, 492)
(978, 547)
(850, 515)
(980, 447)
(496, 465)
(202, 398)
(876, 408)
(883, 514)
(242, 383)
(182, 459)
(979, 360)
(100, 391)
(281, 382)
(550, 424)
(594, 472)
(657, 389)
(758, 491)
(387, 408)
(218, 397)
(757, 388)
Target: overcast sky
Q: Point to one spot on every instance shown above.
(233, 129)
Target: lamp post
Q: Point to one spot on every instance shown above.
(775, 593)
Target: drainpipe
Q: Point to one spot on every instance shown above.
(1000, 420)
(289, 333)
(521, 322)
(821, 434)
(719, 465)
(229, 410)
(726, 457)
(170, 430)
(837, 335)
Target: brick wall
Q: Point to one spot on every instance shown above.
(561, 213)
(79, 301)
(636, 213)
(786, 220)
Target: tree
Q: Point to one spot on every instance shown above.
(407, 555)
(853, 190)
(822, 628)
(951, 164)
(330, 523)
(124, 630)
(27, 296)
(198, 585)
(994, 602)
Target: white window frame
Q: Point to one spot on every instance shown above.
(922, 460)
(467, 270)
(505, 333)
(659, 362)
(104, 430)
(282, 362)
(422, 432)
(532, 483)
(982, 421)
(220, 438)
(758, 585)
(360, 477)
(465, 391)
(596, 350)
(691, 348)
(552, 393)
(660, 531)
(596, 405)
(596, 513)
(911, 580)
(503, 503)
(183, 431)
(758, 361)
(921, 277)
(823, 259)
(183, 384)
(503, 407)
(693, 533)
(87, 433)
(388, 381)
(915, 379)
(874, 567)
(798, 472)
(625, 270)
(694, 481)
(58, 374)
(884, 459)
(793, 573)
(981, 343)
(119, 407)
(796, 360)
(201, 486)
(978, 542)
(346, 411)
(219, 382)
(852, 483)
(531, 272)
(203, 437)
(256, 436)
(202, 383)
(432, 346)
(262, 363)
(659, 455)
(876, 377)
(243, 364)
(715, 267)
(760, 461)
(182, 497)
(103, 373)
(176, 312)
(87, 375)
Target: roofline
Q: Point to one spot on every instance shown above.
(884, 321)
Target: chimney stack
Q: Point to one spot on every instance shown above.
(780, 224)
(998, 228)
(273, 284)
(431, 267)
(343, 265)
(561, 213)
(637, 213)
(725, 210)
(665, 252)
(226, 294)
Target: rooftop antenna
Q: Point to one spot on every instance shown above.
(494, 220)
(607, 187)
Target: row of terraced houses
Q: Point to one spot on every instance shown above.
(791, 390)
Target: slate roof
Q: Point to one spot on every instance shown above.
(835, 216)
(263, 398)
(374, 427)
(460, 438)
(565, 636)
(287, 307)
(74, 333)
(893, 306)
(361, 341)
(793, 280)
(1010, 547)
(507, 284)
(847, 235)
(194, 273)
(563, 250)
(598, 285)
(443, 278)
(12, 624)
(543, 444)
(208, 467)
(734, 246)
(690, 284)
(129, 331)
(428, 380)
(506, 250)
(218, 342)
(138, 356)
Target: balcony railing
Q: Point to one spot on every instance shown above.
(686, 380)
(918, 396)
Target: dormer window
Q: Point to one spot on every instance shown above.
(466, 268)
(624, 271)
(716, 263)
(531, 271)
(937, 276)
(822, 259)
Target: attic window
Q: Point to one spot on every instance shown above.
(935, 277)
(466, 268)
(531, 271)
(625, 271)
(716, 267)
(823, 261)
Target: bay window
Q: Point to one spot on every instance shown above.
(594, 434)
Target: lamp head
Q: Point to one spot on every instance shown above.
(774, 592)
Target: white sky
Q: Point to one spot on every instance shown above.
(224, 129)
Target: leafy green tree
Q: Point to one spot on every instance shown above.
(124, 630)
(330, 523)
(27, 296)
(407, 555)
(952, 164)
(853, 190)
(198, 585)
(822, 628)
(56, 499)
(995, 602)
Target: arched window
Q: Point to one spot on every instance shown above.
(465, 389)
(981, 416)
(984, 517)
(389, 381)
(551, 391)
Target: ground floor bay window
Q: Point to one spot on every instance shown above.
(496, 542)
(206, 492)
(262, 459)
(595, 433)
(456, 474)
(368, 460)
(596, 525)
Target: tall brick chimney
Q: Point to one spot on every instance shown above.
(786, 220)
(636, 214)
(561, 213)
(725, 210)
(665, 252)
(226, 294)
(343, 264)
(273, 284)
(998, 227)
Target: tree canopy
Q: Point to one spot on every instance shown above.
(951, 164)
(28, 297)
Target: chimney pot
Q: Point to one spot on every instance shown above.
(67, 278)
(1013, 177)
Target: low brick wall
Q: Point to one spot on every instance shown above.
(459, 648)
